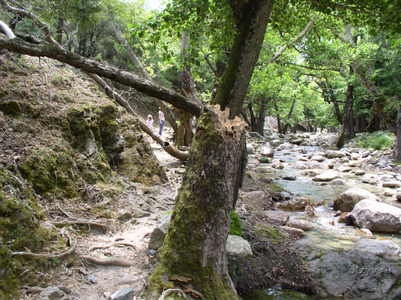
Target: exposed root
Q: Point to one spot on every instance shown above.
(109, 261)
(172, 291)
(89, 223)
(117, 244)
(47, 255)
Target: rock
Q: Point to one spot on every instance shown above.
(293, 232)
(355, 156)
(263, 160)
(370, 179)
(355, 163)
(51, 293)
(334, 154)
(125, 216)
(277, 164)
(277, 217)
(366, 232)
(263, 169)
(388, 194)
(359, 172)
(250, 149)
(123, 294)
(318, 158)
(392, 184)
(158, 234)
(296, 204)
(257, 201)
(296, 141)
(347, 200)
(378, 247)
(91, 279)
(289, 177)
(344, 169)
(398, 195)
(237, 246)
(338, 181)
(300, 224)
(266, 150)
(376, 216)
(311, 172)
(326, 176)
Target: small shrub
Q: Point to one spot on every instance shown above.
(378, 140)
(235, 224)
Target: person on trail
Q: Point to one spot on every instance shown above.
(161, 122)
(149, 121)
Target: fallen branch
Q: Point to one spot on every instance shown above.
(89, 223)
(47, 255)
(109, 261)
(117, 244)
(172, 291)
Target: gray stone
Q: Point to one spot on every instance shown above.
(392, 184)
(266, 150)
(276, 217)
(376, 216)
(123, 294)
(318, 158)
(334, 154)
(158, 234)
(51, 293)
(326, 176)
(237, 246)
(347, 200)
(384, 248)
(300, 224)
(250, 149)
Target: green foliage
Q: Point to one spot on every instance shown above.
(235, 224)
(379, 140)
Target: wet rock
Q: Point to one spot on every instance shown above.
(347, 200)
(338, 181)
(51, 293)
(277, 217)
(250, 149)
(370, 179)
(294, 233)
(296, 204)
(383, 248)
(237, 246)
(366, 232)
(359, 172)
(392, 184)
(277, 164)
(326, 176)
(266, 150)
(257, 201)
(311, 172)
(289, 177)
(158, 234)
(123, 294)
(296, 141)
(300, 224)
(376, 216)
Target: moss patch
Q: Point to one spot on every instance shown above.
(270, 232)
(235, 224)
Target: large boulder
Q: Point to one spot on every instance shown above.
(347, 200)
(236, 246)
(376, 216)
(368, 271)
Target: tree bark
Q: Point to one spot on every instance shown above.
(262, 115)
(251, 18)
(285, 129)
(254, 125)
(397, 147)
(195, 244)
(348, 121)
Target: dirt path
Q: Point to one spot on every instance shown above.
(126, 241)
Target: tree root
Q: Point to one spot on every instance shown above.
(171, 291)
(109, 261)
(47, 255)
(117, 244)
(89, 223)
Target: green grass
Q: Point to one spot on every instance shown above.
(235, 224)
(379, 140)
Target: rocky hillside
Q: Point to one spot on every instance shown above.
(63, 143)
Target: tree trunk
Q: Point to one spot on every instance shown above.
(262, 115)
(195, 244)
(377, 116)
(348, 121)
(279, 125)
(60, 30)
(254, 125)
(285, 129)
(251, 20)
(397, 146)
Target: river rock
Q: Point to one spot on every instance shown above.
(318, 158)
(250, 149)
(347, 200)
(296, 204)
(326, 176)
(344, 169)
(398, 195)
(257, 201)
(392, 184)
(289, 177)
(158, 234)
(338, 181)
(277, 164)
(237, 246)
(376, 216)
(123, 294)
(276, 217)
(300, 224)
(266, 150)
(334, 154)
(370, 179)
(384, 248)
(359, 172)
(311, 172)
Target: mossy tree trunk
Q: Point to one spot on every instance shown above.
(194, 247)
